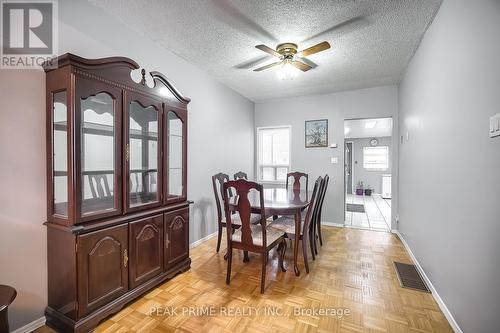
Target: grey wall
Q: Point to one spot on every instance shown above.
(368, 177)
(86, 31)
(449, 167)
(364, 103)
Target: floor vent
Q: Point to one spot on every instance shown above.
(356, 208)
(409, 277)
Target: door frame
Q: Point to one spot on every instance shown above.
(395, 155)
(352, 163)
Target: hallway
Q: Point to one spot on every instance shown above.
(377, 213)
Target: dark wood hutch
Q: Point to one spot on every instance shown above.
(118, 216)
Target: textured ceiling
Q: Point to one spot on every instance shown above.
(372, 41)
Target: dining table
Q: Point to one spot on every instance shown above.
(279, 200)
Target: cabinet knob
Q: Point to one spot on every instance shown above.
(167, 242)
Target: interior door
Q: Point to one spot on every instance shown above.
(102, 267)
(176, 236)
(146, 249)
(143, 152)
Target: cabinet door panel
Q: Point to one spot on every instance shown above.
(143, 152)
(98, 146)
(176, 236)
(102, 267)
(175, 147)
(146, 249)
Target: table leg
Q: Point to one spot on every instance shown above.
(296, 243)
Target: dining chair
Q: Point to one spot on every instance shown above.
(240, 175)
(286, 224)
(217, 181)
(326, 180)
(257, 238)
(316, 223)
(296, 179)
(99, 186)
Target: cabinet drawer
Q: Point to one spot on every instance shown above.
(146, 249)
(102, 267)
(176, 226)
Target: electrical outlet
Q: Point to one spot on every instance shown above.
(397, 218)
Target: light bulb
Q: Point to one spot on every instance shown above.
(287, 71)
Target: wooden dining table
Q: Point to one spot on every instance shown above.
(280, 201)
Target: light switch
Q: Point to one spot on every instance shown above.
(334, 160)
(495, 125)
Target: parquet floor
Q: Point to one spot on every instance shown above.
(353, 272)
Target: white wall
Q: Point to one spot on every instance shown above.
(449, 167)
(372, 178)
(220, 120)
(336, 107)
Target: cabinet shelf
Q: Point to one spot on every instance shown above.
(106, 130)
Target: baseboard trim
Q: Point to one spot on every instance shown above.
(202, 240)
(30, 327)
(439, 300)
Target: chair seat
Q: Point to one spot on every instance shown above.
(271, 235)
(235, 219)
(286, 224)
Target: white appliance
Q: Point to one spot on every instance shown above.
(387, 186)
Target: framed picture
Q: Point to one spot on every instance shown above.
(316, 132)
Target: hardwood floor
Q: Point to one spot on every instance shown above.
(354, 271)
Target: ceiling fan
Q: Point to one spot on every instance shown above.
(289, 56)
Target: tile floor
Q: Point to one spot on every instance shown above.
(377, 213)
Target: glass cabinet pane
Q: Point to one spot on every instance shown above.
(143, 154)
(60, 153)
(98, 153)
(175, 155)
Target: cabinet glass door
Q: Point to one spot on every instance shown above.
(143, 154)
(98, 132)
(175, 149)
(60, 154)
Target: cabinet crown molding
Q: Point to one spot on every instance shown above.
(118, 69)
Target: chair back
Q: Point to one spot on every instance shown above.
(99, 186)
(312, 207)
(240, 175)
(243, 207)
(296, 179)
(217, 181)
(326, 180)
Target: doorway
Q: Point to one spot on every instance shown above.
(368, 173)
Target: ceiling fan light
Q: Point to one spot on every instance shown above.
(287, 71)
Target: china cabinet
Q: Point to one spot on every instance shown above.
(117, 211)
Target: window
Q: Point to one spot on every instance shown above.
(376, 158)
(273, 153)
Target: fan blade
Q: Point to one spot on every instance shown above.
(348, 26)
(267, 66)
(307, 62)
(253, 62)
(229, 13)
(300, 65)
(314, 49)
(267, 49)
